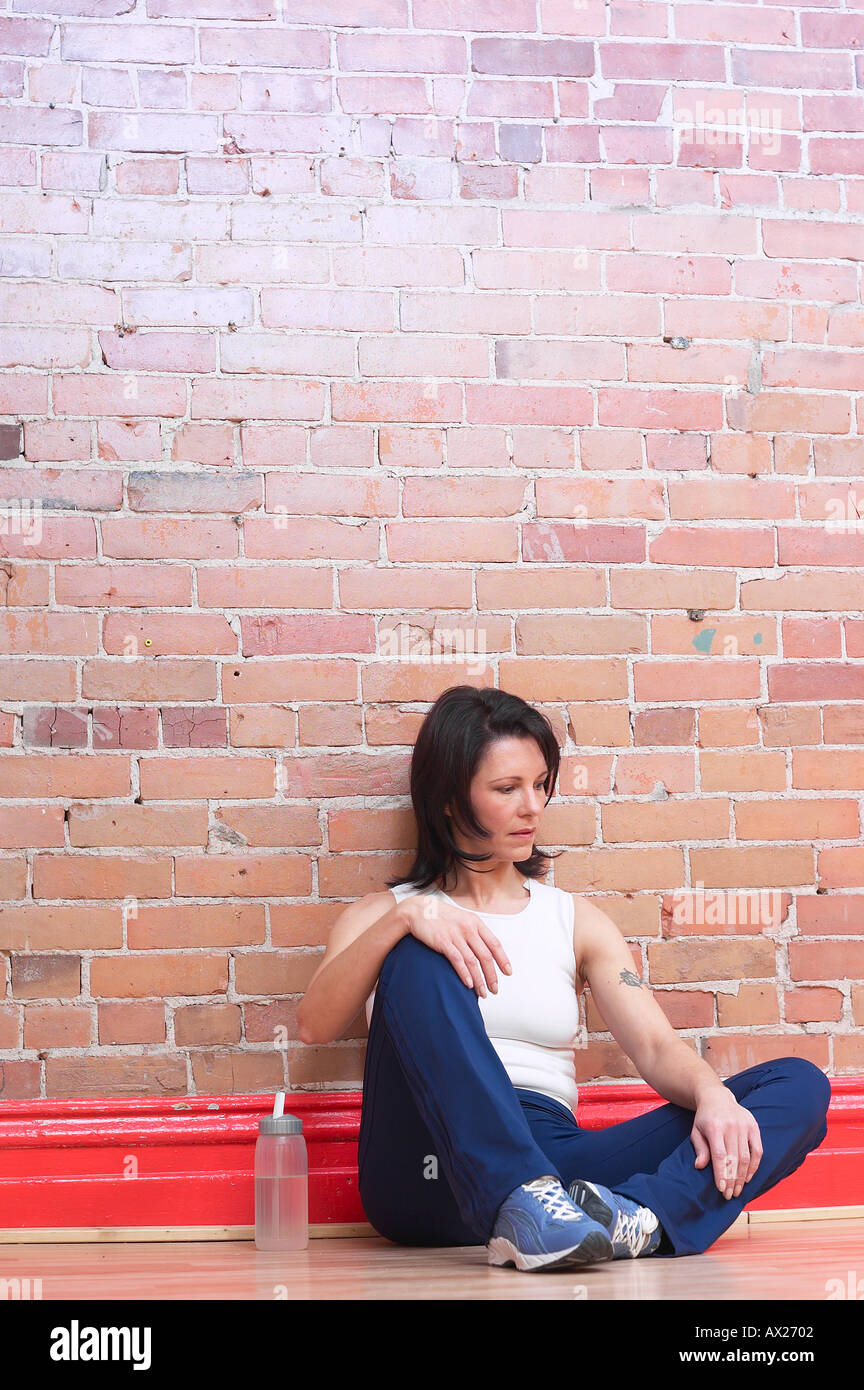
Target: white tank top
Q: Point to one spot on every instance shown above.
(533, 1020)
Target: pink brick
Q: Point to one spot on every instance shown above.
(43, 213)
(465, 312)
(841, 113)
(29, 37)
(696, 234)
(359, 52)
(162, 87)
(676, 61)
(771, 68)
(109, 258)
(297, 48)
(296, 354)
(17, 166)
(41, 126)
(369, 95)
(830, 371)
(700, 363)
(630, 102)
(101, 86)
(638, 18)
(82, 172)
(44, 347)
(631, 144)
(135, 440)
(276, 264)
(227, 176)
(186, 492)
(402, 400)
(487, 181)
(683, 410)
(208, 444)
(196, 307)
(158, 352)
(405, 354)
(540, 405)
(56, 441)
(520, 15)
(398, 266)
(568, 144)
(320, 134)
(575, 230)
(140, 218)
(151, 176)
(822, 240)
(429, 137)
(86, 489)
(532, 57)
(94, 393)
(11, 79)
(832, 31)
(791, 279)
(218, 399)
(674, 274)
(735, 23)
(49, 303)
(537, 359)
(128, 43)
(510, 98)
(836, 156)
(589, 315)
(540, 270)
(344, 309)
(23, 393)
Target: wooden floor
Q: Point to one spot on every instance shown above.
(775, 1260)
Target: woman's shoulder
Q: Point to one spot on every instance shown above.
(559, 896)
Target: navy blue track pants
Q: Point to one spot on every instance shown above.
(445, 1136)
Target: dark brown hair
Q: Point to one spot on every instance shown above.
(453, 738)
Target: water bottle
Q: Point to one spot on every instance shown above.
(281, 1182)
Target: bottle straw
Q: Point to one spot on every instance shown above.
(279, 1105)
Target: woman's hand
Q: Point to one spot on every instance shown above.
(727, 1134)
(462, 936)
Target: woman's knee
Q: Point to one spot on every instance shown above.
(411, 954)
(812, 1086)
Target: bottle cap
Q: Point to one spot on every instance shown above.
(278, 1122)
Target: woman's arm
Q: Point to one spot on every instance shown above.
(724, 1133)
(632, 1014)
(359, 940)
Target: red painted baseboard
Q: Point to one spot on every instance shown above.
(152, 1161)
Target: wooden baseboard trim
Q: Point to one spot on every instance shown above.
(101, 1235)
(345, 1230)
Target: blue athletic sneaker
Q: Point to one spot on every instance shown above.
(538, 1227)
(633, 1230)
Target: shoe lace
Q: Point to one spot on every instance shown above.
(631, 1228)
(552, 1196)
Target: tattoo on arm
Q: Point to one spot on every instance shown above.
(627, 977)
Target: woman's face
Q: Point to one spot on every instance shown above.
(508, 795)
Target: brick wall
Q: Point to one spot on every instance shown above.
(522, 340)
